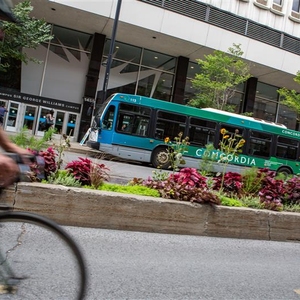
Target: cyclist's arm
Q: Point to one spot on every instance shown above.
(8, 146)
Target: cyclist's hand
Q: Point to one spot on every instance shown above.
(9, 171)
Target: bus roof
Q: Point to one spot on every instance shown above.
(210, 114)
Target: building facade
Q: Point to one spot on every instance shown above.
(154, 54)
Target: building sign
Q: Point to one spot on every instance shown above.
(41, 101)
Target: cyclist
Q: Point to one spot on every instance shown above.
(8, 168)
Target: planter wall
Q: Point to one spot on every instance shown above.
(97, 209)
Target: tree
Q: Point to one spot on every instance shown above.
(220, 74)
(24, 32)
(291, 98)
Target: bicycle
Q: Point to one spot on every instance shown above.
(38, 259)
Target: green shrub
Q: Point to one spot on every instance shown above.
(26, 140)
(63, 177)
(129, 189)
(226, 201)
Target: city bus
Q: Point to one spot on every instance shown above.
(134, 128)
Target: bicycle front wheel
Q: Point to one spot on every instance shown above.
(38, 260)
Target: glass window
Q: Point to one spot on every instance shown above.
(279, 2)
(260, 144)
(124, 52)
(169, 125)
(287, 148)
(71, 38)
(155, 84)
(71, 124)
(201, 132)
(158, 60)
(266, 91)
(108, 119)
(133, 119)
(287, 117)
(296, 5)
(265, 110)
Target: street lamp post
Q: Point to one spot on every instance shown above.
(111, 51)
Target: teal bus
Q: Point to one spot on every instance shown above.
(134, 128)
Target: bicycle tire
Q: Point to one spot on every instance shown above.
(65, 250)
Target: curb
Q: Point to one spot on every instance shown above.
(109, 210)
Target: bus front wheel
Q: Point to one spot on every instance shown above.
(160, 158)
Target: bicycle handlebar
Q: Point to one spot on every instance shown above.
(24, 167)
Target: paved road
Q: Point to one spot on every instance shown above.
(135, 265)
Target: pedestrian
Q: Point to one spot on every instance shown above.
(3, 110)
(49, 120)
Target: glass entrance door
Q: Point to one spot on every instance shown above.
(30, 117)
(13, 114)
(43, 111)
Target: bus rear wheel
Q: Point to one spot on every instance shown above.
(285, 171)
(160, 158)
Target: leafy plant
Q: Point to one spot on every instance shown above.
(64, 144)
(206, 162)
(136, 189)
(49, 156)
(220, 74)
(88, 172)
(187, 185)
(292, 191)
(230, 145)
(26, 32)
(176, 150)
(63, 177)
(98, 174)
(229, 183)
(226, 201)
(189, 176)
(271, 194)
(252, 180)
(160, 175)
(26, 140)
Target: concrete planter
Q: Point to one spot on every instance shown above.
(90, 208)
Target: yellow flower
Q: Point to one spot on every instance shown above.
(226, 137)
(167, 140)
(242, 142)
(223, 131)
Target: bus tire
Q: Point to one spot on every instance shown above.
(160, 158)
(285, 170)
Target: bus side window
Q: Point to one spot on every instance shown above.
(170, 124)
(287, 148)
(260, 144)
(201, 132)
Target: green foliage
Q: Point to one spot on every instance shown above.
(226, 201)
(63, 177)
(291, 98)
(26, 140)
(160, 175)
(206, 162)
(129, 189)
(26, 32)
(230, 144)
(252, 181)
(251, 202)
(176, 150)
(220, 74)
